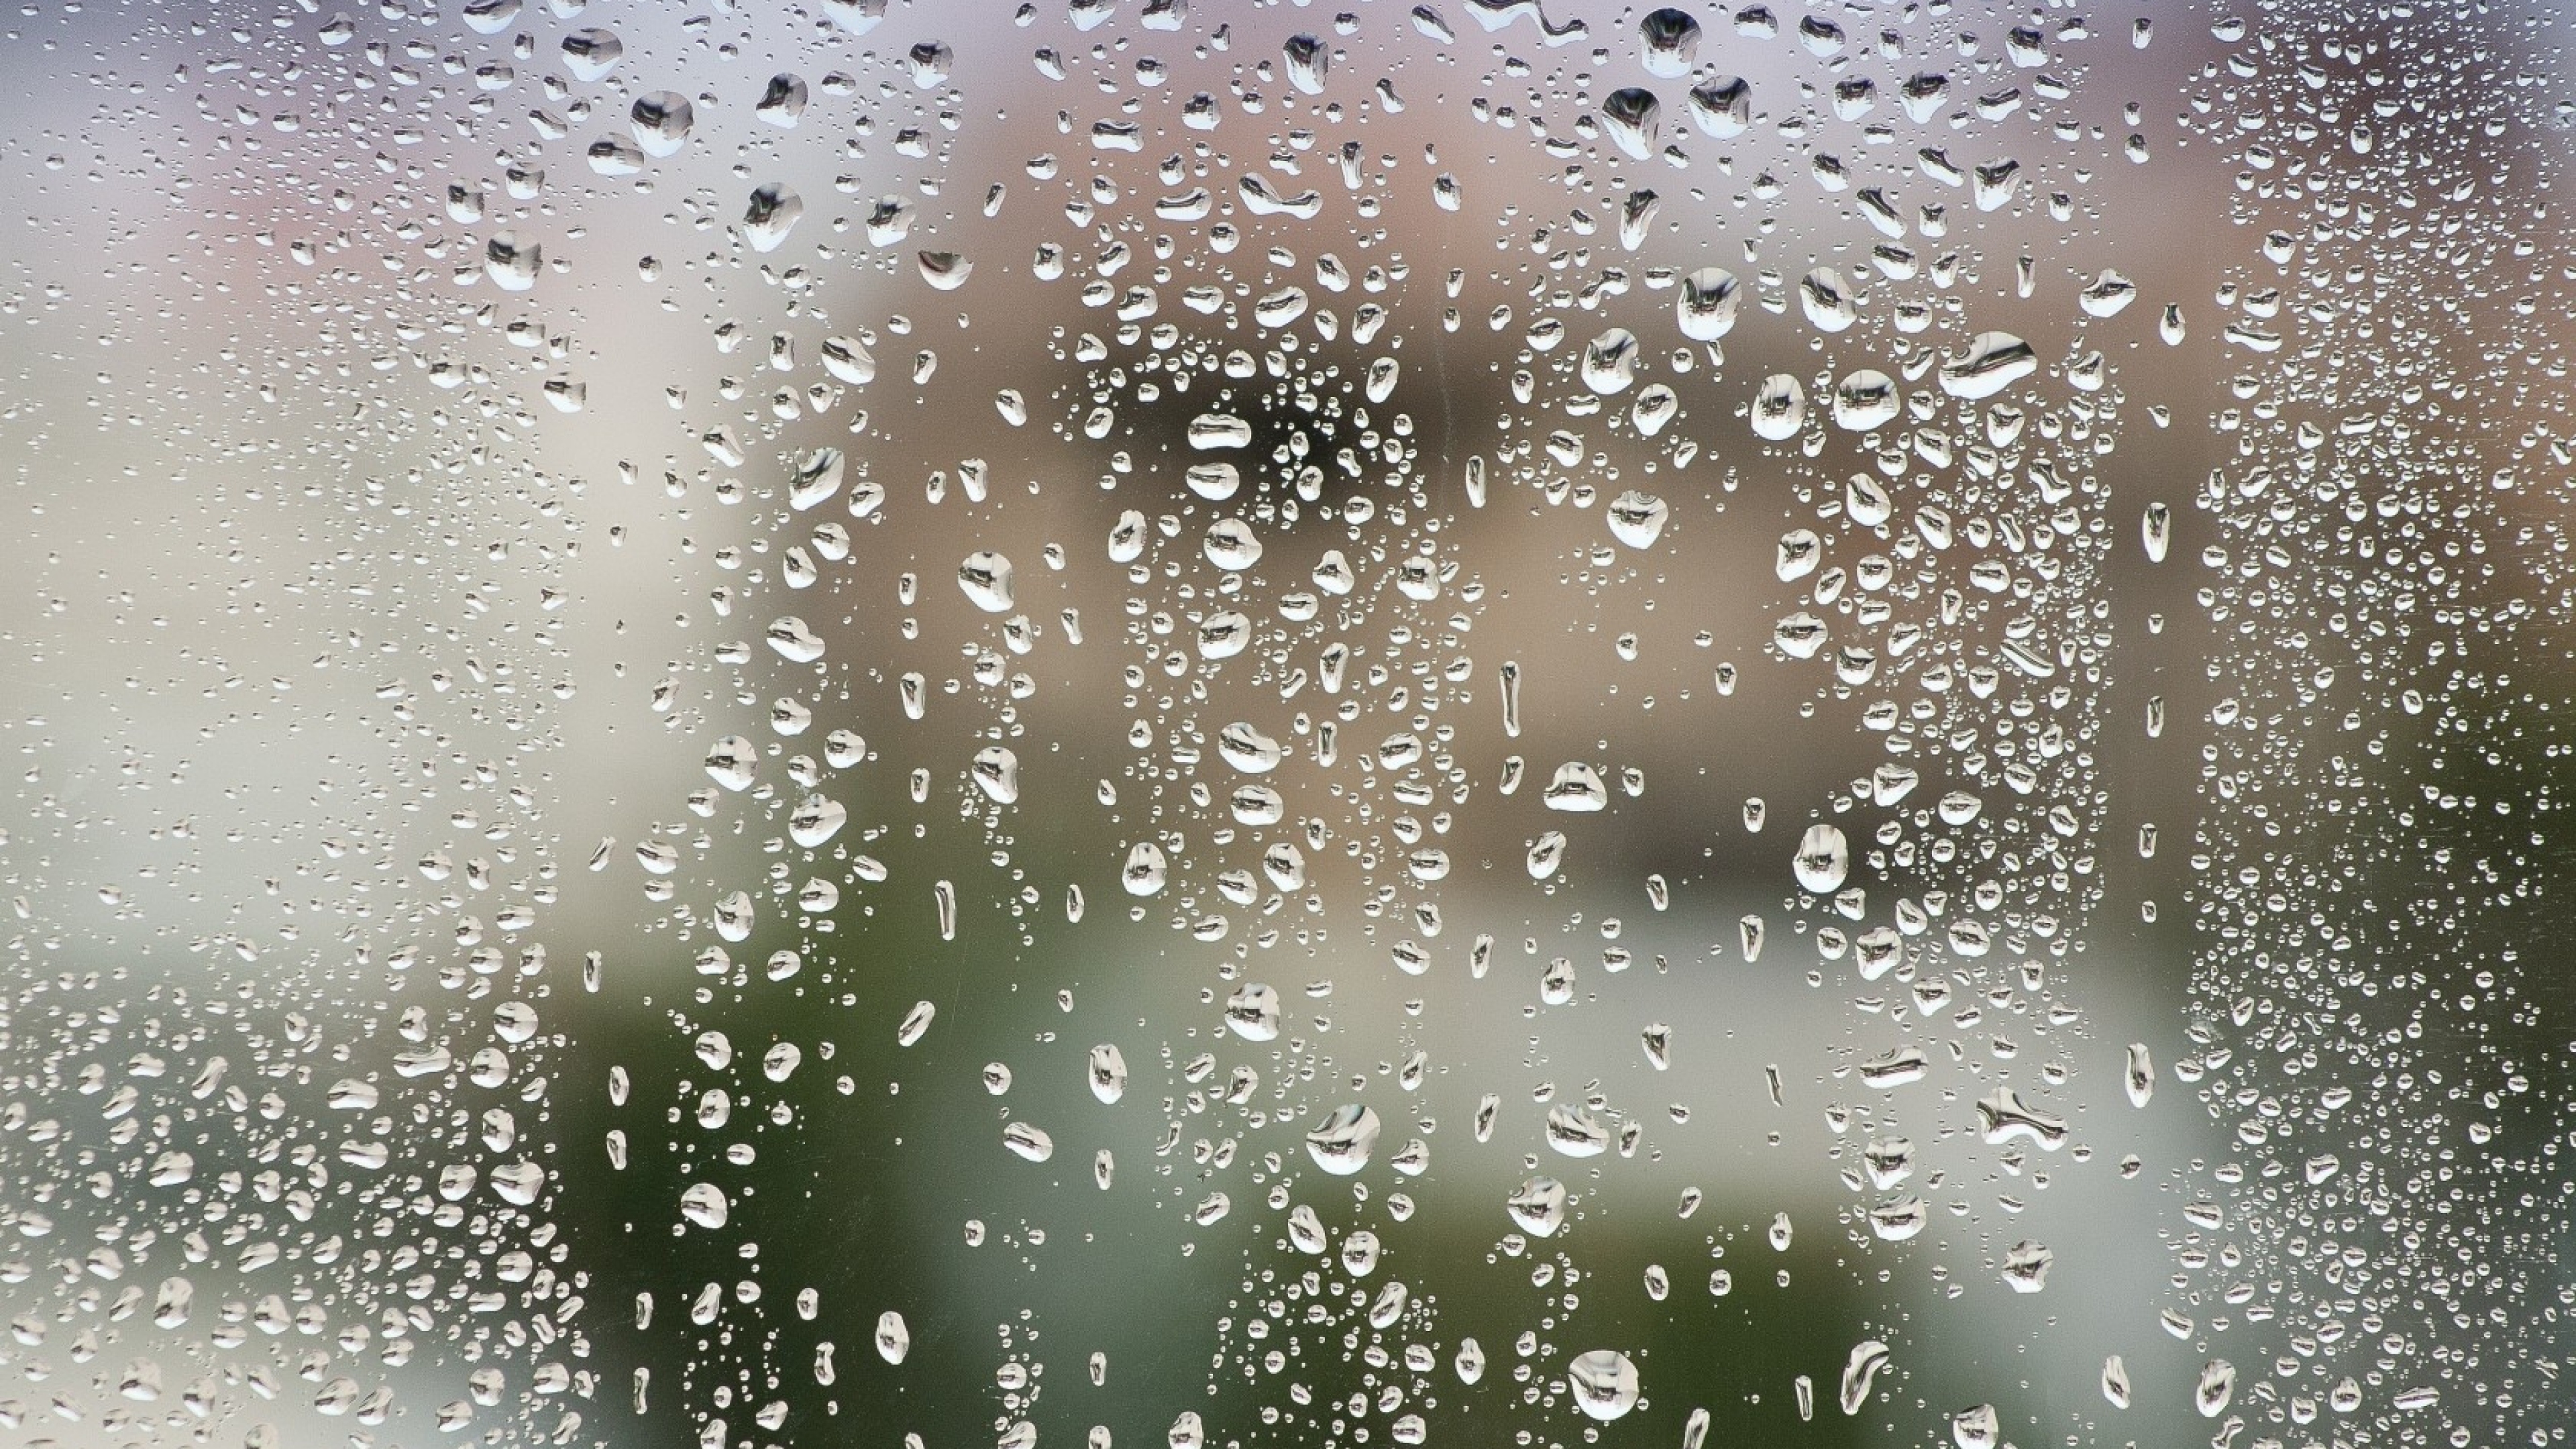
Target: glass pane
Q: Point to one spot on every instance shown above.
(1238, 724)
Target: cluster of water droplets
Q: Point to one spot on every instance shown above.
(1319, 726)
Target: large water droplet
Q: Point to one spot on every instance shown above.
(1028, 1142)
(1722, 107)
(1538, 1205)
(2215, 1386)
(772, 212)
(1631, 116)
(996, 772)
(987, 580)
(1107, 1073)
(1779, 408)
(1668, 42)
(1860, 1370)
(1604, 1384)
(1992, 362)
(661, 121)
(1707, 303)
(1823, 859)
(1342, 1142)
(1252, 1012)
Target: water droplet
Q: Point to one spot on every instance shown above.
(1823, 859)
(1860, 1371)
(893, 1337)
(1827, 300)
(1107, 1073)
(818, 477)
(1669, 42)
(1307, 61)
(1252, 1012)
(512, 264)
(1992, 362)
(1658, 1039)
(792, 640)
(988, 583)
(661, 121)
(1027, 1142)
(1637, 519)
(1899, 1221)
(1722, 107)
(1609, 362)
(2140, 1077)
(772, 212)
(1779, 408)
(591, 53)
(703, 1204)
(1573, 1132)
(1248, 749)
(2003, 1116)
(782, 101)
(944, 271)
(2026, 1267)
(1604, 1384)
(1342, 1142)
(733, 762)
(1232, 544)
(1631, 116)
(2107, 295)
(1865, 400)
(2214, 1387)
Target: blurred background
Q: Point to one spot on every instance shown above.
(632, 649)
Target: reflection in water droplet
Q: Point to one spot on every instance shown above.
(1706, 305)
(1028, 1142)
(987, 581)
(1252, 1012)
(1637, 519)
(1107, 1073)
(1993, 361)
(1722, 107)
(1827, 300)
(2003, 1117)
(1668, 42)
(1538, 1205)
(2026, 1267)
(1632, 116)
(1573, 1132)
(1604, 1384)
(1865, 400)
(2215, 1386)
(703, 1205)
(772, 212)
(1779, 408)
(1342, 1142)
(591, 53)
(1823, 859)
(661, 121)
(1860, 1371)
(996, 772)
(511, 263)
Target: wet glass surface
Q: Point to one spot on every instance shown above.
(1242, 724)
